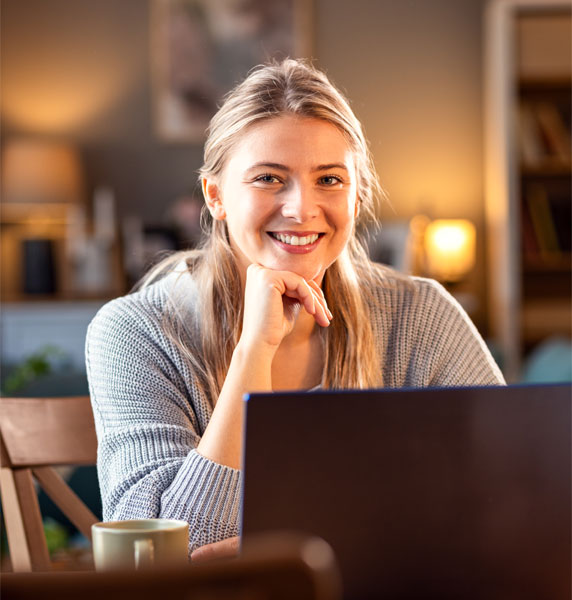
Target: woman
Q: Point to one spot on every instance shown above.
(280, 296)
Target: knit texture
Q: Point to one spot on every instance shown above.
(150, 412)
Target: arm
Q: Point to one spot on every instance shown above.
(272, 303)
(151, 414)
(453, 352)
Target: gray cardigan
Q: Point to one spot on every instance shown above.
(150, 411)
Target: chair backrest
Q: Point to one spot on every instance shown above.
(274, 566)
(37, 434)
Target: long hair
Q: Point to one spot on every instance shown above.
(291, 87)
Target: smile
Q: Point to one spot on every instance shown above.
(294, 240)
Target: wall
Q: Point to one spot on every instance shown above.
(27, 328)
(412, 69)
(82, 69)
(414, 73)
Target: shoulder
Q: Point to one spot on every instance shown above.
(142, 312)
(393, 290)
(416, 304)
(426, 337)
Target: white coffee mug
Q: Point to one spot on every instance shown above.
(140, 544)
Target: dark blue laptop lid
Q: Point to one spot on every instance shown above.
(426, 493)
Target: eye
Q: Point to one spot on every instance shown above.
(331, 180)
(268, 178)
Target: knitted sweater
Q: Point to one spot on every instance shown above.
(150, 412)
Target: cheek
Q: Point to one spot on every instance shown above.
(248, 210)
(347, 222)
(257, 207)
(346, 214)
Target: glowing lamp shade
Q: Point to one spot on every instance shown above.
(40, 171)
(450, 248)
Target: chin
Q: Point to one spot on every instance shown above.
(309, 274)
(305, 271)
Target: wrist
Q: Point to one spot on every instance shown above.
(254, 350)
(251, 367)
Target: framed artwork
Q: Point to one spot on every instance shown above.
(201, 48)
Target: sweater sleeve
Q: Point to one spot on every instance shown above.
(450, 351)
(149, 412)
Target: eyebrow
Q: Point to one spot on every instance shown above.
(330, 166)
(273, 165)
(268, 165)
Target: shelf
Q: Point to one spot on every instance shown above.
(545, 84)
(528, 175)
(548, 168)
(61, 298)
(558, 264)
(17, 213)
(545, 317)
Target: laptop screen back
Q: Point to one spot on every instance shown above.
(428, 493)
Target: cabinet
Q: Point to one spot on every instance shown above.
(25, 222)
(528, 174)
(544, 172)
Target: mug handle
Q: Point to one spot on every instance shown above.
(144, 553)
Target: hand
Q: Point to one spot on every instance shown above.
(272, 302)
(228, 548)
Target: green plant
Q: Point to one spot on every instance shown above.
(34, 366)
(56, 535)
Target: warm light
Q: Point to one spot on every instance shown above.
(450, 248)
(64, 92)
(40, 172)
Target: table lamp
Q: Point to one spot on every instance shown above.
(450, 246)
(39, 172)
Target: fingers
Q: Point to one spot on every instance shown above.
(299, 289)
(320, 291)
(224, 549)
(322, 313)
(309, 294)
(270, 316)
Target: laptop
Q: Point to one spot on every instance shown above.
(421, 493)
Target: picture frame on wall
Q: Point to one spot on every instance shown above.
(201, 49)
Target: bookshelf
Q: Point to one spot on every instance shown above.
(528, 175)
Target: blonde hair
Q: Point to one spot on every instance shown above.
(351, 357)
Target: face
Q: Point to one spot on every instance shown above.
(289, 196)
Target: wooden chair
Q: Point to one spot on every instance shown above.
(37, 434)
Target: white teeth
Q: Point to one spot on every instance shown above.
(294, 240)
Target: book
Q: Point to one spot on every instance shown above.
(530, 247)
(530, 143)
(557, 136)
(561, 211)
(542, 222)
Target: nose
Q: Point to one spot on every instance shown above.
(300, 203)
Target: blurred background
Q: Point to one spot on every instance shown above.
(466, 104)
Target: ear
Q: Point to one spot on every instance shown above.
(356, 206)
(213, 199)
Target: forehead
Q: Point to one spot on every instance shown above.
(297, 142)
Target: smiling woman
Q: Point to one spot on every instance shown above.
(295, 212)
(280, 296)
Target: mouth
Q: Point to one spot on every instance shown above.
(296, 243)
(296, 240)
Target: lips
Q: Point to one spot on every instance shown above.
(296, 243)
(295, 240)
